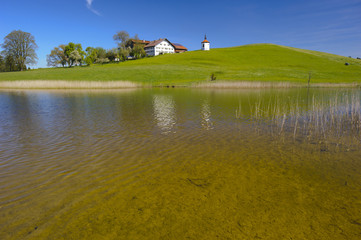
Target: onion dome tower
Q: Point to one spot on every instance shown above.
(206, 45)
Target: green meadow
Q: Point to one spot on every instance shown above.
(257, 62)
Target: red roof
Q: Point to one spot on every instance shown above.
(178, 46)
(156, 42)
(205, 39)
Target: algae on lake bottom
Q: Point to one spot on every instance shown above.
(174, 164)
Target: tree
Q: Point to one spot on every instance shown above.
(138, 51)
(121, 38)
(112, 54)
(21, 47)
(68, 50)
(75, 57)
(10, 64)
(2, 64)
(124, 53)
(57, 56)
(101, 52)
(82, 54)
(126, 47)
(101, 55)
(91, 55)
(71, 47)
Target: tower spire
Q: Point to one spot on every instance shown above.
(205, 36)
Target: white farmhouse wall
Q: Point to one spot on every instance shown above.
(164, 47)
(161, 48)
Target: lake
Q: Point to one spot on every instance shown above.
(180, 164)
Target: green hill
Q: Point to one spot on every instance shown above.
(257, 62)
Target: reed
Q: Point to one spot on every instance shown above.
(245, 84)
(332, 122)
(59, 84)
(261, 84)
(73, 84)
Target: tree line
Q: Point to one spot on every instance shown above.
(73, 54)
(18, 51)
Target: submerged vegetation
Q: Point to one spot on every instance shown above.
(249, 63)
(138, 164)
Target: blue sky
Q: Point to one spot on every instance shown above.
(332, 26)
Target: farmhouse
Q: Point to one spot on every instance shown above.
(160, 46)
(157, 47)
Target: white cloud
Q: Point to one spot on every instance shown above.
(89, 6)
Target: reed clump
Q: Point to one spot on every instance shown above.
(60, 84)
(265, 84)
(245, 84)
(331, 122)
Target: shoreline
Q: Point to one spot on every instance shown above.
(64, 84)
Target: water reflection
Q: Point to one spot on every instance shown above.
(206, 115)
(94, 163)
(164, 112)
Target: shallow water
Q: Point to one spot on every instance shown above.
(180, 164)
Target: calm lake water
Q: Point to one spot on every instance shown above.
(180, 164)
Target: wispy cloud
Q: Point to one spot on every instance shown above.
(89, 6)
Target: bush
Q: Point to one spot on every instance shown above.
(102, 60)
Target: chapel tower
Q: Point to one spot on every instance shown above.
(206, 45)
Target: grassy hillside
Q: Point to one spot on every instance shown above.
(258, 62)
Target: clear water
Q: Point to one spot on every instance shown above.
(180, 164)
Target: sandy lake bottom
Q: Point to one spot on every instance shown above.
(180, 164)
